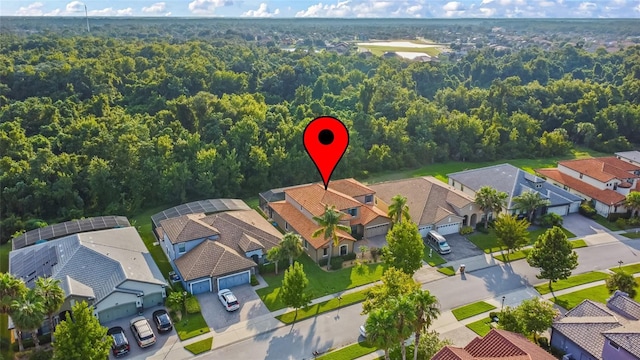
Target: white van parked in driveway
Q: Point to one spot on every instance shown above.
(438, 242)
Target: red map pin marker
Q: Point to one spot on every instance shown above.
(326, 139)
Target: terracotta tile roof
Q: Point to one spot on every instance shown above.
(314, 198)
(186, 228)
(350, 187)
(302, 224)
(368, 213)
(607, 196)
(211, 259)
(497, 344)
(429, 199)
(602, 169)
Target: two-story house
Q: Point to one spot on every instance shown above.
(604, 181)
(217, 251)
(593, 331)
(514, 182)
(294, 208)
(433, 205)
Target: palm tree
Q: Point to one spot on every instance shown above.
(381, 329)
(529, 201)
(632, 202)
(490, 200)
(329, 225)
(405, 314)
(27, 314)
(426, 307)
(397, 209)
(291, 246)
(11, 288)
(274, 255)
(49, 289)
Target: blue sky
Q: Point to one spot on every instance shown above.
(330, 8)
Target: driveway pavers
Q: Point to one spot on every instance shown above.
(219, 319)
(581, 225)
(461, 248)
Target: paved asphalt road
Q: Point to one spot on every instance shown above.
(340, 327)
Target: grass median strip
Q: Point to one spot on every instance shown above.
(522, 254)
(488, 242)
(449, 270)
(325, 306)
(435, 259)
(632, 235)
(470, 310)
(572, 281)
(350, 352)
(201, 346)
(480, 327)
(629, 269)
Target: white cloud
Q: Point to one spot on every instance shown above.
(263, 11)
(75, 6)
(545, 3)
(341, 9)
(486, 2)
(34, 9)
(587, 6)
(453, 6)
(637, 8)
(156, 8)
(204, 7)
(413, 10)
(487, 12)
(111, 12)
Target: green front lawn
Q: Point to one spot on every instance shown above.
(435, 259)
(579, 243)
(629, 269)
(489, 242)
(449, 270)
(470, 310)
(201, 346)
(480, 327)
(350, 352)
(606, 223)
(632, 235)
(597, 293)
(572, 281)
(321, 282)
(191, 325)
(323, 307)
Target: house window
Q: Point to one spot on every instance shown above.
(325, 252)
(580, 176)
(353, 211)
(182, 248)
(614, 345)
(344, 249)
(461, 187)
(286, 225)
(368, 199)
(306, 244)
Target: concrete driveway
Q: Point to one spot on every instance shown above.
(461, 248)
(220, 319)
(582, 225)
(164, 341)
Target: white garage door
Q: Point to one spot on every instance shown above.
(575, 207)
(424, 230)
(560, 210)
(376, 230)
(448, 228)
(230, 281)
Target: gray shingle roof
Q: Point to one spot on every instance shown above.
(589, 308)
(211, 259)
(513, 181)
(186, 228)
(99, 260)
(586, 335)
(628, 337)
(624, 306)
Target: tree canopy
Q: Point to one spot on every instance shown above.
(554, 255)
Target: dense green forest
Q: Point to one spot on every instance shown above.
(93, 125)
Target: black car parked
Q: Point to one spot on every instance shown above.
(120, 345)
(162, 320)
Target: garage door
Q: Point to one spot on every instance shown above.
(153, 299)
(424, 230)
(230, 281)
(200, 287)
(560, 210)
(448, 228)
(377, 230)
(117, 312)
(575, 207)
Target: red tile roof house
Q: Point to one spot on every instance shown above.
(496, 345)
(217, 251)
(593, 331)
(293, 210)
(604, 181)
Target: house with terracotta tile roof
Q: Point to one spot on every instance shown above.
(433, 204)
(216, 251)
(514, 182)
(496, 345)
(293, 210)
(603, 181)
(595, 331)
